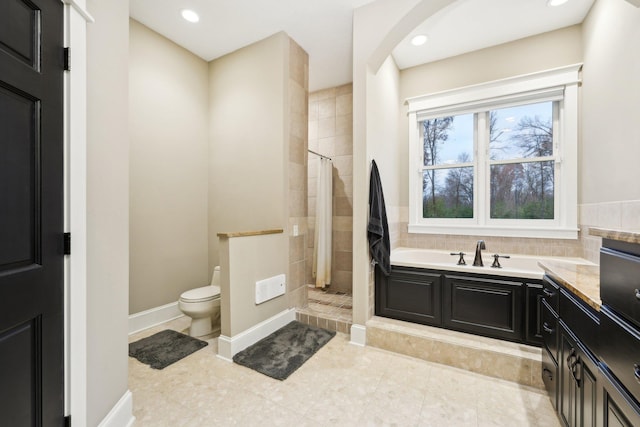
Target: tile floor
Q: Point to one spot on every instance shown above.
(341, 385)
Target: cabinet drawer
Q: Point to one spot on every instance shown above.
(620, 351)
(620, 283)
(550, 331)
(550, 377)
(550, 293)
(580, 318)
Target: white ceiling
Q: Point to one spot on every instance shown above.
(324, 28)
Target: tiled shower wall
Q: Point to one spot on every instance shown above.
(298, 123)
(331, 134)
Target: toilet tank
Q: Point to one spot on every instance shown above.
(215, 279)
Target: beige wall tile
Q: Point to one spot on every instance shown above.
(326, 127)
(344, 105)
(344, 125)
(326, 108)
(343, 145)
(344, 89)
(342, 206)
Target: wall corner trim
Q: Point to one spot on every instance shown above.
(121, 415)
(229, 346)
(358, 335)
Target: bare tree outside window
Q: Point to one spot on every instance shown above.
(522, 190)
(448, 191)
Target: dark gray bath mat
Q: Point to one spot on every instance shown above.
(164, 348)
(281, 353)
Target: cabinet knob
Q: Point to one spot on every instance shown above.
(636, 372)
(548, 293)
(637, 292)
(546, 328)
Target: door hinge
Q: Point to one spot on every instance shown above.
(67, 421)
(67, 243)
(67, 59)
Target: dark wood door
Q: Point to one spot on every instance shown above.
(31, 213)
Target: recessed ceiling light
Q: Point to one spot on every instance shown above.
(556, 2)
(190, 15)
(419, 40)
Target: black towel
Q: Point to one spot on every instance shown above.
(378, 229)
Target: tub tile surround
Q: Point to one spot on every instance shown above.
(341, 384)
(617, 215)
(330, 134)
(505, 360)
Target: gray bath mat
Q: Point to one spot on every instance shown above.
(164, 348)
(281, 353)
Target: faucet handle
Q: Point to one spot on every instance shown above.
(496, 263)
(461, 254)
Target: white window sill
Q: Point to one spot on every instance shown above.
(482, 230)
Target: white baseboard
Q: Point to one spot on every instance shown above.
(121, 415)
(358, 335)
(229, 346)
(154, 316)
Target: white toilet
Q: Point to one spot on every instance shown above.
(203, 306)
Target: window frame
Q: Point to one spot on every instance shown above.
(559, 85)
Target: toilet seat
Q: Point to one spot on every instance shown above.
(205, 293)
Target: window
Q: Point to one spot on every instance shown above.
(497, 159)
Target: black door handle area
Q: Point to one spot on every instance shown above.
(546, 328)
(636, 372)
(548, 293)
(637, 291)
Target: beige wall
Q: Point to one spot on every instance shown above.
(258, 117)
(610, 135)
(263, 254)
(168, 119)
(611, 103)
(247, 174)
(107, 207)
(330, 134)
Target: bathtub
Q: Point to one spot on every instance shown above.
(524, 266)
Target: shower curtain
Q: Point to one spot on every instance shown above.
(324, 212)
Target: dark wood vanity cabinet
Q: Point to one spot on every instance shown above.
(591, 358)
(493, 306)
(578, 397)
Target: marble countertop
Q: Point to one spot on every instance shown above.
(582, 279)
(629, 236)
(249, 233)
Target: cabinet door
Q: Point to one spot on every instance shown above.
(619, 409)
(409, 294)
(533, 314)
(578, 397)
(486, 307)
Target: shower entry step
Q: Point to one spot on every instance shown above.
(328, 310)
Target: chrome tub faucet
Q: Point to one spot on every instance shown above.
(477, 261)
